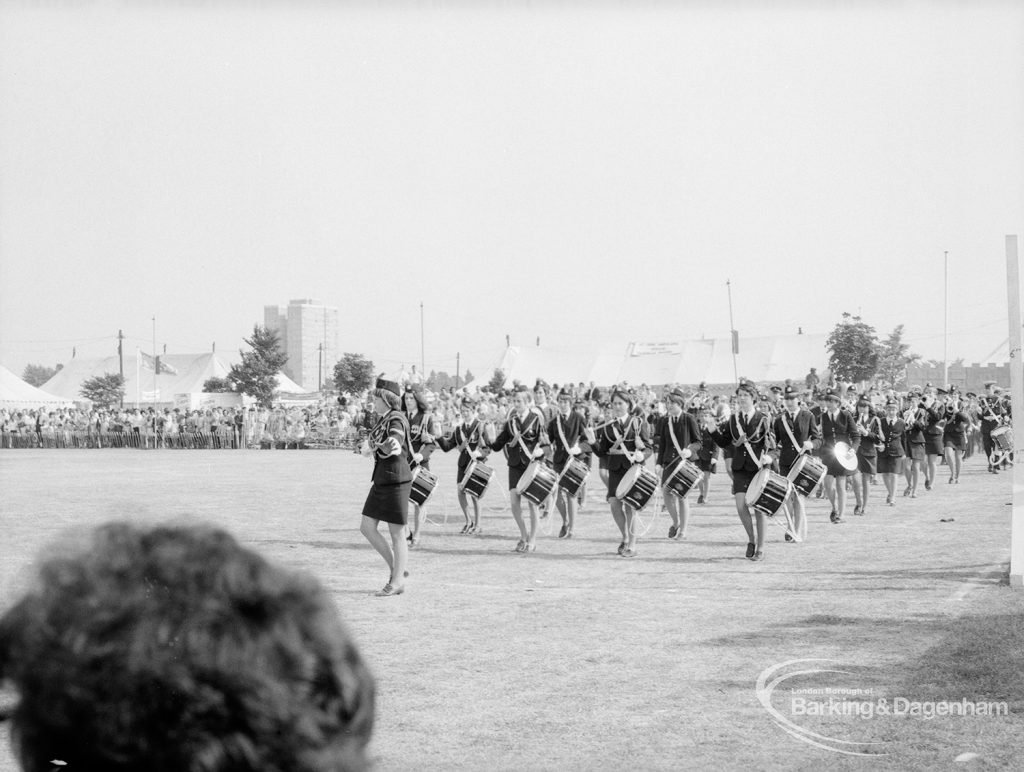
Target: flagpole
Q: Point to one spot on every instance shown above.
(138, 375)
(155, 360)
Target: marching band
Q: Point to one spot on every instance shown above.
(779, 448)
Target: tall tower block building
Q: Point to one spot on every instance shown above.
(308, 331)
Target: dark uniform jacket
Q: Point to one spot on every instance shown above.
(389, 469)
(571, 428)
(419, 424)
(635, 434)
(892, 436)
(868, 441)
(759, 437)
(687, 435)
(466, 437)
(531, 432)
(842, 429)
(804, 428)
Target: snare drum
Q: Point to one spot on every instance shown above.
(477, 478)
(767, 492)
(1002, 439)
(573, 476)
(537, 482)
(846, 456)
(423, 484)
(805, 474)
(637, 487)
(682, 478)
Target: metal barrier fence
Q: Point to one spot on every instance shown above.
(222, 439)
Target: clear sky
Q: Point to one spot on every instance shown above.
(591, 174)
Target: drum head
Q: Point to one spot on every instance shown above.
(757, 486)
(528, 475)
(846, 456)
(627, 481)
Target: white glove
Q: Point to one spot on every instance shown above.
(638, 456)
(538, 452)
(475, 454)
(574, 450)
(417, 457)
(808, 445)
(687, 452)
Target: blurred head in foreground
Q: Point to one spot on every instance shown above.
(174, 648)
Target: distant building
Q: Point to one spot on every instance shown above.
(308, 331)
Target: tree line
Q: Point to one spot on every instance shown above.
(856, 355)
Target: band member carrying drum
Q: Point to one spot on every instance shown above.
(991, 415)
(586, 456)
(748, 433)
(707, 456)
(421, 428)
(388, 500)
(565, 431)
(526, 437)
(623, 441)
(677, 439)
(797, 433)
(468, 438)
(839, 441)
(889, 457)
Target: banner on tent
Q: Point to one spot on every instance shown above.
(646, 349)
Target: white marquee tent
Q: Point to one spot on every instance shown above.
(187, 375)
(16, 394)
(765, 359)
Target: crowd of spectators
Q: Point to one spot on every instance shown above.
(332, 422)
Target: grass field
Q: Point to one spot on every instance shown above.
(574, 658)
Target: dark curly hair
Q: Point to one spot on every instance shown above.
(174, 648)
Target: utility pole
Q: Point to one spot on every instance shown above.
(320, 369)
(423, 357)
(456, 369)
(732, 330)
(156, 360)
(120, 358)
(945, 319)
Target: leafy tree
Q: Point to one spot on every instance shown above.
(893, 357)
(256, 374)
(37, 375)
(105, 390)
(467, 377)
(854, 348)
(441, 380)
(353, 374)
(497, 382)
(217, 385)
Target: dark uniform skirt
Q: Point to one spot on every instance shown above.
(389, 503)
(515, 473)
(933, 444)
(741, 480)
(889, 464)
(614, 478)
(916, 450)
(866, 464)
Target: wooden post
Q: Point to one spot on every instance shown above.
(1017, 397)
